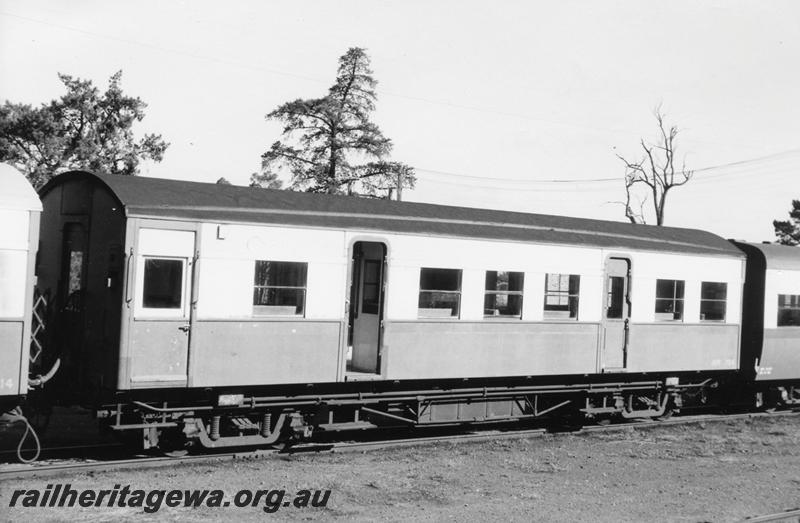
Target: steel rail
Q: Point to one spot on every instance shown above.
(788, 516)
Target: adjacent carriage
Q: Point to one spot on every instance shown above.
(19, 238)
(235, 315)
(771, 337)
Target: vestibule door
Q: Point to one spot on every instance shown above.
(160, 330)
(616, 314)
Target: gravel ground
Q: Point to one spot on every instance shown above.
(721, 471)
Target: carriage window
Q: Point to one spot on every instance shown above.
(163, 283)
(788, 310)
(279, 288)
(615, 299)
(371, 288)
(75, 282)
(713, 301)
(561, 296)
(669, 300)
(439, 293)
(503, 297)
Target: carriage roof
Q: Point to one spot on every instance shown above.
(17, 193)
(777, 257)
(182, 200)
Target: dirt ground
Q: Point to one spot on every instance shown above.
(721, 471)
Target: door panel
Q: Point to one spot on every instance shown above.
(159, 336)
(616, 314)
(158, 351)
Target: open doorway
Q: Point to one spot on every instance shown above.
(366, 307)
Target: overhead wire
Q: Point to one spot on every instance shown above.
(429, 172)
(308, 78)
(747, 164)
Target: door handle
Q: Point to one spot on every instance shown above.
(184, 328)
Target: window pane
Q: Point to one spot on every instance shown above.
(504, 281)
(163, 284)
(440, 279)
(280, 274)
(712, 301)
(438, 304)
(712, 310)
(665, 306)
(561, 296)
(669, 309)
(440, 292)
(788, 300)
(371, 287)
(788, 310)
(277, 301)
(502, 305)
(491, 281)
(616, 289)
(669, 300)
(503, 296)
(574, 284)
(789, 318)
(279, 288)
(557, 283)
(75, 271)
(713, 291)
(555, 301)
(665, 289)
(679, 308)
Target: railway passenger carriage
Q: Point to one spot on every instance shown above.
(19, 232)
(232, 314)
(771, 337)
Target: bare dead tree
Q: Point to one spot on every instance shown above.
(655, 174)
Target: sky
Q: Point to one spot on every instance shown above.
(516, 105)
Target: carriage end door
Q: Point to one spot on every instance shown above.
(159, 334)
(616, 315)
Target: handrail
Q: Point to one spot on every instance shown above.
(41, 380)
(128, 298)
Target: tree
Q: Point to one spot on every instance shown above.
(788, 232)
(265, 180)
(84, 129)
(324, 139)
(654, 175)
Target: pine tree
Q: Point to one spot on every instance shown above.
(324, 139)
(788, 232)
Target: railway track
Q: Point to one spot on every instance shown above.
(54, 467)
(789, 516)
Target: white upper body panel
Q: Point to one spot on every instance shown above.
(693, 270)
(17, 201)
(228, 255)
